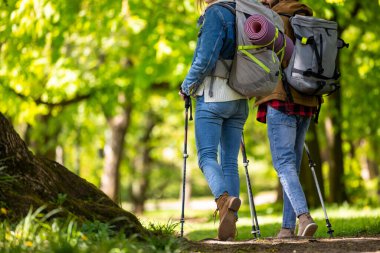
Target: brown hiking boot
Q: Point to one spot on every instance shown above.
(286, 233)
(306, 226)
(227, 207)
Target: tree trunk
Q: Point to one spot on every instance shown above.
(369, 164)
(375, 165)
(337, 188)
(113, 152)
(78, 152)
(142, 165)
(45, 144)
(336, 171)
(29, 181)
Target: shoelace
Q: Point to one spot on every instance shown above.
(214, 215)
(222, 203)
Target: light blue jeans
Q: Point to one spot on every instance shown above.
(220, 125)
(286, 136)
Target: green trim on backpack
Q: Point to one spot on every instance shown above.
(312, 69)
(262, 65)
(244, 48)
(255, 69)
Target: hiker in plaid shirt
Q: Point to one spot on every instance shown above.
(287, 114)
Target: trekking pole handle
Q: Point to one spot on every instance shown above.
(188, 105)
(187, 101)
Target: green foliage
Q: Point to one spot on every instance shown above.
(359, 90)
(37, 233)
(5, 178)
(61, 198)
(66, 67)
(163, 239)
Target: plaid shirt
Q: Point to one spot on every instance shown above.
(289, 108)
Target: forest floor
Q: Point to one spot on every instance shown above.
(335, 245)
(350, 224)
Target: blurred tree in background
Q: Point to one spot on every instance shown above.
(93, 85)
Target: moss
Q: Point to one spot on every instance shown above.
(39, 182)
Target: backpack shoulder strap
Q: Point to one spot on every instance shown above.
(220, 61)
(297, 12)
(227, 6)
(285, 14)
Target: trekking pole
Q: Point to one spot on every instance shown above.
(185, 156)
(312, 166)
(255, 224)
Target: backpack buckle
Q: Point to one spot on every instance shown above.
(306, 41)
(307, 72)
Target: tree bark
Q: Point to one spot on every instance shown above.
(336, 171)
(113, 151)
(369, 164)
(46, 143)
(28, 181)
(142, 165)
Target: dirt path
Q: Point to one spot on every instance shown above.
(346, 245)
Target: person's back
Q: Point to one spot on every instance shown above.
(216, 40)
(220, 113)
(287, 114)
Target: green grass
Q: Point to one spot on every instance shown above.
(38, 233)
(346, 221)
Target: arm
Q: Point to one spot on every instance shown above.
(210, 42)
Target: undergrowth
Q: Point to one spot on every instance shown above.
(38, 232)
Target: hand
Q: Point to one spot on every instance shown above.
(182, 94)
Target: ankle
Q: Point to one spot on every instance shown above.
(224, 194)
(221, 200)
(304, 216)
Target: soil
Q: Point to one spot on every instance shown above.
(335, 245)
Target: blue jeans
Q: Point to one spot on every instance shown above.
(220, 124)
(286, 136)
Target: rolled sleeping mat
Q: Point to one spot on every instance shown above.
(259, 29)
(279, 43)
(288, 48)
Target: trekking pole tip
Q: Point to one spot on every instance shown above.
(182, 221)
(255, 232)
(330, 231)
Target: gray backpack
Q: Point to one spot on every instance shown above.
(312, 68)
(255, 69)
